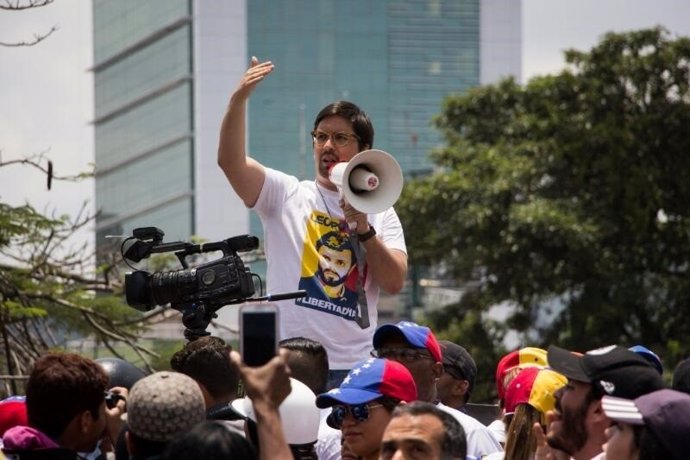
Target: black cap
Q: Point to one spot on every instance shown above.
(615, 370)
(458, 363)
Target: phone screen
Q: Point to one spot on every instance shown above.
(258, 337)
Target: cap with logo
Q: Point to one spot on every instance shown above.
(369, 380)
(614, 370)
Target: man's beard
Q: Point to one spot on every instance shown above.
(573, 433)
(330, 281)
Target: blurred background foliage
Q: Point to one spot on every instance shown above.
(565, 199)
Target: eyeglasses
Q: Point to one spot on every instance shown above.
(403, 355)
(338, 139)
(359, 411)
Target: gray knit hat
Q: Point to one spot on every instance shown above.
(164, 405)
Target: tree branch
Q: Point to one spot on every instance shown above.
(34, 161)
(20, 5)
(38, 38)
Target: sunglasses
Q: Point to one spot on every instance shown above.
(403, 355)
(360, 412)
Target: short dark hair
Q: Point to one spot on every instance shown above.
(454, 442)
(210, 440)
(308, 362)
(207, 360)
(361, 124)
(61, 386)
(143, 448)
(681, 376)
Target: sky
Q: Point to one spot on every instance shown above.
(46, 91)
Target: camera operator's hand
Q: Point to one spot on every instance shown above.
(113, 419)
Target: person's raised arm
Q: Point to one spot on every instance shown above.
(268, 386)
(245, 174)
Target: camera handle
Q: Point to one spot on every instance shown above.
(196, 319)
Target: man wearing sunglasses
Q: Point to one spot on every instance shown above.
(416, 348)
(363, 404)
(296, 214)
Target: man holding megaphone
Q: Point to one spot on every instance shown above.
(337, 236)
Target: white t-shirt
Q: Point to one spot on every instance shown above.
(480, 441)
(304, 246)
(328, 443)
(498, 429)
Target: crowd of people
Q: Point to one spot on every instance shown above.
(609, 403)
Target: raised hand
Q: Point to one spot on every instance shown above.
(256, 72)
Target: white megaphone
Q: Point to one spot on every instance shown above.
(371, 181)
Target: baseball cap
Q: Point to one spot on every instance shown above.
(615, 370)
(12, 413)
(300, 418)
(518, 359)
(458, 362)
(650, 356)
(416, 335)
(534, 386)
(370, 379)
(666, 413)
(164, 405)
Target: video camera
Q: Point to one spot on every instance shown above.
(196, 292)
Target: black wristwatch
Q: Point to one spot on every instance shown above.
(366, 235)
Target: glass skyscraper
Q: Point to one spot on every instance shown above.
(164, 70)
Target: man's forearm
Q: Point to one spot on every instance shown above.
(387, 267)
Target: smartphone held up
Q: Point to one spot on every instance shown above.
(258, 333)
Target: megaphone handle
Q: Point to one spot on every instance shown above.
(351, 225)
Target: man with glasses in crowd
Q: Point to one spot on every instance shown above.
(416, 348)
(295, 215)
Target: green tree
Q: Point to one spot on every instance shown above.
(50, 291)
(567, 197)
